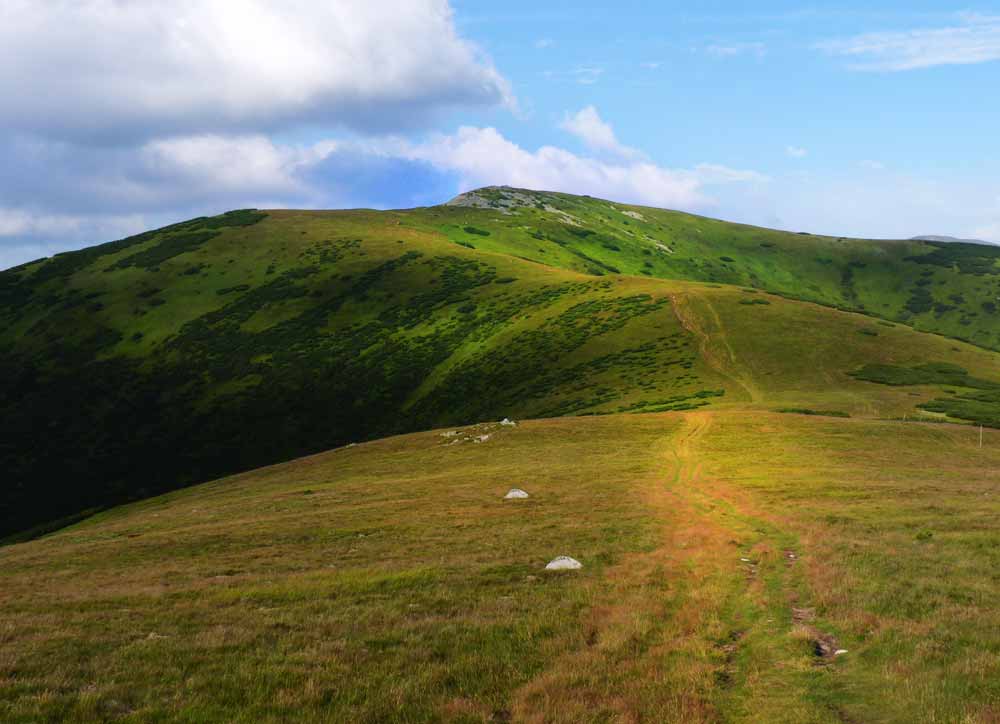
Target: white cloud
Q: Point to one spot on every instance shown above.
(900, 206)
(730, 50)
(482, 156)
(543, 43)
(796, 151)
(587, 125)
(713, 173)
(100, 195)
(651, 65)
(32, 234)
(147, 68)
(975, 40)
(587, 75)
(251, 163)
(872, 165)
(15, 222)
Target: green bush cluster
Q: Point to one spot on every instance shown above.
(979, 403)
(978, 259)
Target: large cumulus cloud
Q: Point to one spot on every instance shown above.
(115, 70)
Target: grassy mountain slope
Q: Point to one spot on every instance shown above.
(226, 343)
(722, 551)
(948, 288)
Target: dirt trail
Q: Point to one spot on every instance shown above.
(651, 648)
(712, 340)
(663, 636)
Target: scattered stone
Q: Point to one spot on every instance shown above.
(507, 422)
(563, 563)
(840, 652)
(515, 493)
(450, 433)
(481, 438)
(824, 646)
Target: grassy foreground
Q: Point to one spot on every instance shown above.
(727, 554)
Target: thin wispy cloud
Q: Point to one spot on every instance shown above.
(581, 74)
(730, 50)
(587, 75)
(543, 43)
(975, 39)
(796, 151)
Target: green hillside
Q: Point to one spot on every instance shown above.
(947, 288)
(226, 343)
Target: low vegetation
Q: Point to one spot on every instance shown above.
(726, 558)
(969, 398)
(225, 343)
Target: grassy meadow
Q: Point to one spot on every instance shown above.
(389, 581)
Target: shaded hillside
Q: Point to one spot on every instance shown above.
(226, 343)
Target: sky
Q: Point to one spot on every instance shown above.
(869, 120)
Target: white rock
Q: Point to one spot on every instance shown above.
(838, 652)
(508, 422)
(515, 493)
(563, 563)
(481, 438)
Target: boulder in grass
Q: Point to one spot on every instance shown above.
(507, 422)
(514, 494)
(563, 563)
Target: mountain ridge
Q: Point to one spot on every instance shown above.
(224, 343)
(939, 237)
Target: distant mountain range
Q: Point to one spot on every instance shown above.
(937, 237)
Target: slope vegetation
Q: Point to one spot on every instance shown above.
(225, 343)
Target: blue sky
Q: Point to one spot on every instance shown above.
(741, 87)
(860, 120)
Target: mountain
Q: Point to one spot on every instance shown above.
(757, 445)
(952, 239)
(222, 344)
